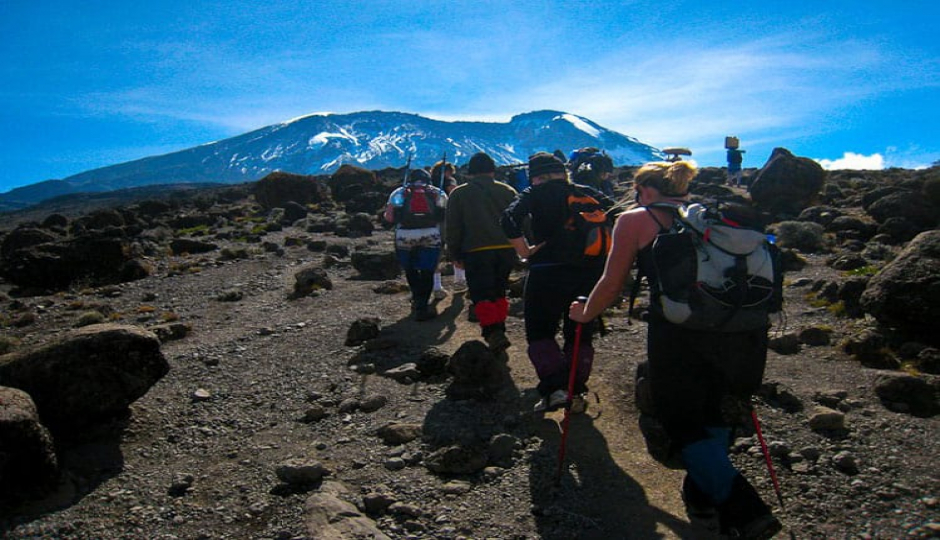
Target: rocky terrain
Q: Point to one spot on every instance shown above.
(300, 400)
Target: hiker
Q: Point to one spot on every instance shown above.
(596, 171)
(735, 157)
(476, 243)
(417, 209)
(554, 280)
(444, 175)
(692, 372)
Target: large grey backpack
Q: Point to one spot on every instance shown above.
(712, 273)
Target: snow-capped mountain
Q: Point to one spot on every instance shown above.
(320, 143)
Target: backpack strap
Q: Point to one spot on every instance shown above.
(635, 288)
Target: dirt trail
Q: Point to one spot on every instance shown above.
(610, 481)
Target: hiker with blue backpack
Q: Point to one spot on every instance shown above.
(556, 211)
(476, 243)
(699, 361)
(417, 210)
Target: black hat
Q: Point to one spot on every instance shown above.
(544, 163)
(419, 175)
(481, 163)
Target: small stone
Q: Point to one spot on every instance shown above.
(826, 419)
(456, 487)
(314, 414)
(349, 405)
(377, 502)
(395, 464)
(405, 509)
(300, 471)
(373, 402)
(182, 482)
(845, 462)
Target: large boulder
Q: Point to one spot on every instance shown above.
(310, 279)
(28, 462)
(88, 375)
(477, 372)
(906, 293)
(376, 265)
(180, 246)
(101, 219)
(278, 188)
(919, 396)
(350, 181)
(24, 237)
(907, 204)
(328, 517)
(58, 264)
(787, 184)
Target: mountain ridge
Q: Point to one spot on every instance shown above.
(319, 143)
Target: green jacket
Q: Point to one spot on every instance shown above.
(473, 213)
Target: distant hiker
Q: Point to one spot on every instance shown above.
(476, 243)
(735, 157)
(557, 275)
(596, 171)
(446, 180)
(693, 373)
(443, 174)
(417, 209)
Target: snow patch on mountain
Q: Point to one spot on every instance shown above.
(581, 124)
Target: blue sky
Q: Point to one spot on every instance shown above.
(93, 83)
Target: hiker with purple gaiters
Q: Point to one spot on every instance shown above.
(557, 275)
(693, 373)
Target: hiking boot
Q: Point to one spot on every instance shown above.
(700, 509)
(425, 314)
(497, 341)
(579, 404)
(460, 286)
(439, 294)
(552, 402)
(745, 515)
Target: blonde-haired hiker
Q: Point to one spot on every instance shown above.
(692, 372)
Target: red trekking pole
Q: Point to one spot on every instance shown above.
(767, 459)
(571, 378)
(770, 465)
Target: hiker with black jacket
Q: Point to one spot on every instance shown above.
(693, 373)
(417, 210)
(476, 243)
(554, 280)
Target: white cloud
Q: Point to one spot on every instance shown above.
(851, 160)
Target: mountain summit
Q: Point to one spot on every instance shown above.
(320, 143)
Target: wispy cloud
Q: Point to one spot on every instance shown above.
(776, 84)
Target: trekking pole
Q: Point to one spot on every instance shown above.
(766, 452)
(770, 465)
(571, 378)
(443, 168)
(404, 179)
